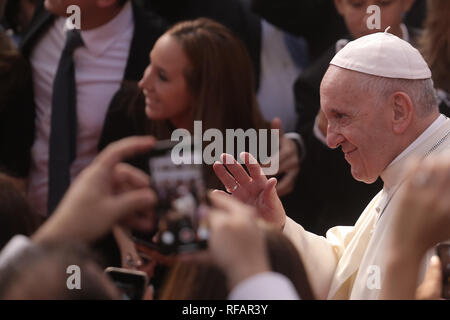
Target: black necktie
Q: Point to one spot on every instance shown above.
(63, 132)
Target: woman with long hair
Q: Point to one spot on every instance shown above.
(199, 71)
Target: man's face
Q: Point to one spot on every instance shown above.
(355, 123)
(355, 15)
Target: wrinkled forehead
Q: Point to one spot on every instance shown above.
(339, 82)
(342, 88)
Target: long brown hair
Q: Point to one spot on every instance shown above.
(435, 42)
(220, 78)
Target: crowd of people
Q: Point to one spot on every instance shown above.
(359, 202)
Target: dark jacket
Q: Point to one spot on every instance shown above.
(16, 110)
(318, 20)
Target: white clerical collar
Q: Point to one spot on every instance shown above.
(394, 172)
(98, 40)
(427, 133)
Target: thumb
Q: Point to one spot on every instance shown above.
(269, 190)
(434, 273)
(431, 287)
(276, 124)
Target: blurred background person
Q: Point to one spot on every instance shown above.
(39, 273)
(435, 47)
(277, 57)
(16, 113)
(73, 91)
(199, 279)
(199, 71)
(16, 215)
(17, 17)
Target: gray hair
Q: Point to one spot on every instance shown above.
(421, 92)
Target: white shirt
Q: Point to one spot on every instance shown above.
(13, 248)
(264, 286)
(99, 69)
(278, 74)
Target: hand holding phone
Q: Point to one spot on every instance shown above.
(131, 284)
(181, 193)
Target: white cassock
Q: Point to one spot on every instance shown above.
(350, 263)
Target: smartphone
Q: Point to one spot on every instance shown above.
(443, 251)
(177, 176)
(131, 284)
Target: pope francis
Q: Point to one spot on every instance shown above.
(380, 104)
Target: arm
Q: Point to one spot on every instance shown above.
(319, 254)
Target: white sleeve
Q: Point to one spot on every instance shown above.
(15, 246)
(264, 286)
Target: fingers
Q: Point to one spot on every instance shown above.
(118, 151)
(276, 124)
(225, 177)
(125, 173)
(269, 190)
(431, 287)
(238, 172)
(253, 167)
(228, 204)
(133, 201)
(220, 192)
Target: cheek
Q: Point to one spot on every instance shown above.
(175, 98)
(356, 22)
(391, 17)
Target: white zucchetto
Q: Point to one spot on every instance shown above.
(385, 55)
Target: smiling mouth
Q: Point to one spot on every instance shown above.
(350, 152)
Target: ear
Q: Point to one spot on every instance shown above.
(106, 3)
(339, 6)
(402, 112)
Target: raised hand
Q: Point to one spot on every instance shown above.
(252, 188)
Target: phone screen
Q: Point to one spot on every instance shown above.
(443, 251)
(131, 284)
(181, 193)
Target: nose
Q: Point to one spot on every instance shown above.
(334, 138)
(145, 82)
